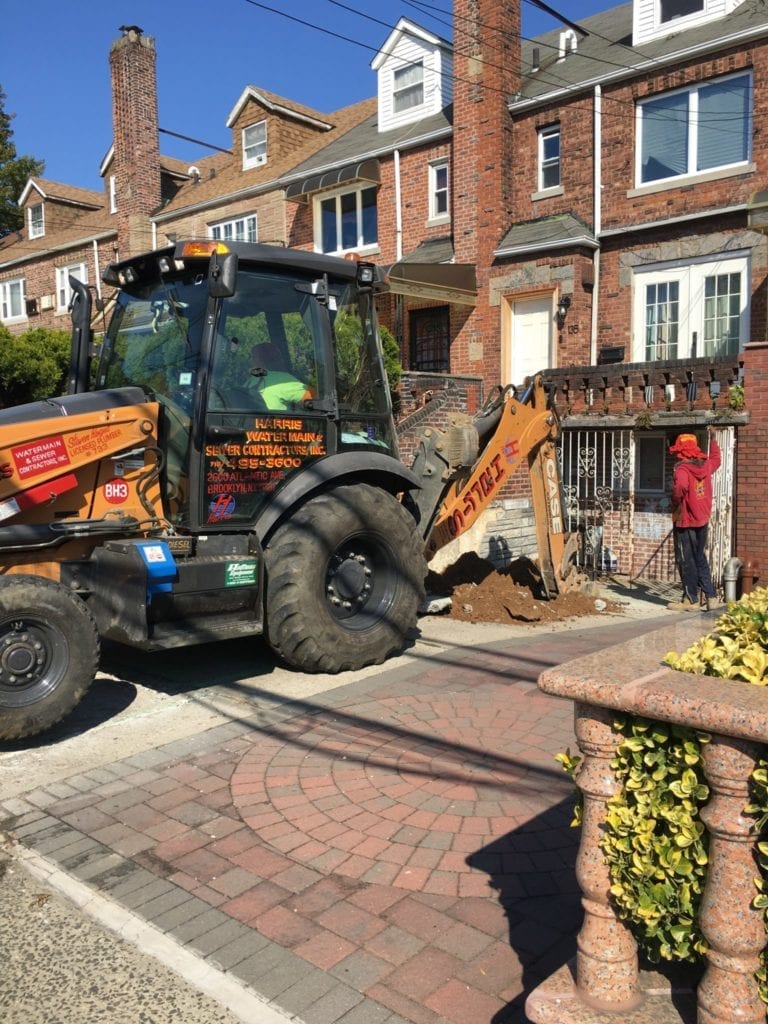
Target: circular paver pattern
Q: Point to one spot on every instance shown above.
(409, 791)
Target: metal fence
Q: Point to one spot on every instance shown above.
(622, 516)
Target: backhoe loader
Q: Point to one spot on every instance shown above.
(225, 464)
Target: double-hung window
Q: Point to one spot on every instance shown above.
(241, 229)
(63, 289)
(408, 87)
(549, 157)
(691, 131)
(12, 300)
(36, 221)
(696, 309)
(438, 190)
(255, 145)
(346, 221)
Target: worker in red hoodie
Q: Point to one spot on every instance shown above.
(691, 509)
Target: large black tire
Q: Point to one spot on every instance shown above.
(49, 652)
(345, 578)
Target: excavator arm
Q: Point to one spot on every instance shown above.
(462, 470)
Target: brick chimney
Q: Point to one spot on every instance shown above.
(487, 64)
(487, 71)
(135, 129)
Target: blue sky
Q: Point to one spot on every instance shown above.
(54, 64)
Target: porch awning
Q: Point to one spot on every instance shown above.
(440, 282)
(362, 170)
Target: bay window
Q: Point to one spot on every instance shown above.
(346, 221)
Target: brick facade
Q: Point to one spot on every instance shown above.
(750, 535)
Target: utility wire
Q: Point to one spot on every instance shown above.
(682, 119)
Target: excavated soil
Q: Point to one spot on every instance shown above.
(481, 593)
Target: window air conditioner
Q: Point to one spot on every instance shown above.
(46, 302)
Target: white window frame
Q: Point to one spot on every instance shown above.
(238, 229)
(337, 195)
(439, 192)
(681, 17)
(13, 293)
(691, 277)
(258, 146)
(643, 109)
(545, 162)
(36, 223)
(403, 88)
(63, 289)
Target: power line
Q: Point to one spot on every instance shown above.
(683, 119)
(198, 142)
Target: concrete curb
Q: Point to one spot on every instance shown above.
(239, 999)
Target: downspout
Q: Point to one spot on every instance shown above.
(154, 234)
(96, 267)
(398, 210)
(399, 312)
(597, 188)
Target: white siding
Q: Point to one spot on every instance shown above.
(438, 83)
(646, 27)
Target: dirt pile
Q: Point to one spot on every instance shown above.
(481, 593)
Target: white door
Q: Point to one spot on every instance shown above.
(531, 342)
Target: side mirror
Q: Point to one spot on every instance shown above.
(222, 275)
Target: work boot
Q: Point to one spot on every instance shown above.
(713, 604)
(686, 605)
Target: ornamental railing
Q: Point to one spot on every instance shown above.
(606, 976)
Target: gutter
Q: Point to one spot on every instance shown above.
(78, 244)
(682, 219)
(556, 243)
(269, 186)
(652, 63)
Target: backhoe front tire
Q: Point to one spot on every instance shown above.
(345, 578)
(49, 653)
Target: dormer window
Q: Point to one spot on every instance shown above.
(255, 145)
(36, 221)
(415, 75)
(671, 9)
(408, 87)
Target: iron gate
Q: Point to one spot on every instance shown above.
(622, 527)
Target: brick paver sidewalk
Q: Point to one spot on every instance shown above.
(395, 850)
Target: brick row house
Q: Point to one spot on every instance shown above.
(588, 204)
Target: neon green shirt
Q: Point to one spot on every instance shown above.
(280, 390)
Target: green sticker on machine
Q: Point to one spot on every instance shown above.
(240, 574)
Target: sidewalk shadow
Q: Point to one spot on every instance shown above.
(533, 871)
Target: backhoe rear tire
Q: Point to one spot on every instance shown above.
(49, 653)
(345, 578)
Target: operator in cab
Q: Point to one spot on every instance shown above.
(279, 389)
